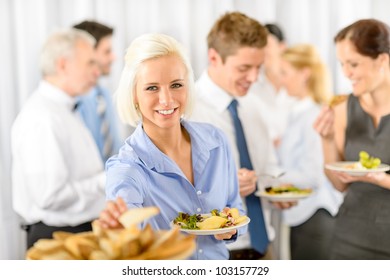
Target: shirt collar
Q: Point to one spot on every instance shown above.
(302, 105)
(152, 157)
(214, 94)
(56, 95)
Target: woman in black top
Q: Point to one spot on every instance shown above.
(361, 124)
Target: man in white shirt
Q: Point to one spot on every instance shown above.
(236, 52)
(58, 176)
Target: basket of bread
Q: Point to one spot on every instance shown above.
(128, 243)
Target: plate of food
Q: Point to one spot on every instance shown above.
(215, 222)
(286, 192)
(366, 164)
(355, 168)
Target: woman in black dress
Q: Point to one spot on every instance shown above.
(362, 123)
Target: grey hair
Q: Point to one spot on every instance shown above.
(61, 44)
(143, 48)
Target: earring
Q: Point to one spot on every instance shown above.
(136, 106)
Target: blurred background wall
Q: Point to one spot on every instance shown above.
(24, 25)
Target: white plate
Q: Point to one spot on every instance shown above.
(212, 231)
(341, 166)
(283, 196)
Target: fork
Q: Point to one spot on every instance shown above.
(272, 176)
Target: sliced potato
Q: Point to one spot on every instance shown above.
(58, 255)
(147, 236)
(80, 246)
(212, 222)
(240, 219)
(49, 245)
(234, 212)
(61, 235)
(171, 249)
(165, 238)
(110, 248)
(98, 255)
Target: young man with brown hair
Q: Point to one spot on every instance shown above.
(236, 52)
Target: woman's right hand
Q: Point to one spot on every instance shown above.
(281, 205)
(109, 216)
(324, 124)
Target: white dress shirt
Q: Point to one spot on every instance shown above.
(211, 106)
(58, 176)
(275, 105)
(300, 154)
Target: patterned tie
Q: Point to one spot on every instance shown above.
(107, 144)
(257, 230)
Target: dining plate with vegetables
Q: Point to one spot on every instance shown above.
(215, 222)
(285, 192)
(366, 164)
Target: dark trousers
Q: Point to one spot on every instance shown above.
(251, 254)
(312, 239)
(41, 230)
(245, 254)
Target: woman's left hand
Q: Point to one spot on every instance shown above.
(373, 178)
(226, 235)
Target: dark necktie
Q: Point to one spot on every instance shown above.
(107, 145)
(75, 106)
(257, 230)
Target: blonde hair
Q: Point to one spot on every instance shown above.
(306, 56)
(143, 48)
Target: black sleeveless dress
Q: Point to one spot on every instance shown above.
(362, 228)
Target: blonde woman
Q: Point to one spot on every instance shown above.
(168, 162)
(311, 222)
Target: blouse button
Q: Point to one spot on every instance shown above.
(199, 210)
(199, 192)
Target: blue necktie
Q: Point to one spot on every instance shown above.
(107, 141)
(257, 230)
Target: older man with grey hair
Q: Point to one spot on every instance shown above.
(58, 175)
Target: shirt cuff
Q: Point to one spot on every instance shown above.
(102, 181)
(232, 239)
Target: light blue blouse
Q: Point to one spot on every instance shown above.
(144, 176)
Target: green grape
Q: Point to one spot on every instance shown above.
(364, 155)
(364, 162)
(376, 162)
(368, 161)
